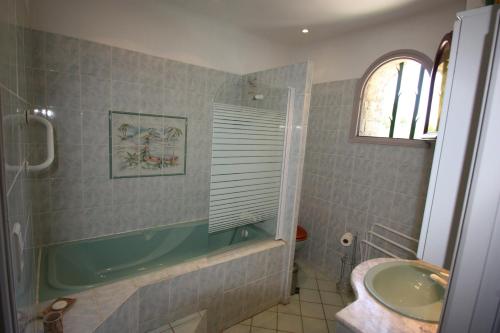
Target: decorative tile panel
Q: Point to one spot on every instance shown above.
(144, 145)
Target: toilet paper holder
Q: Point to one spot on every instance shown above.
(346, 239)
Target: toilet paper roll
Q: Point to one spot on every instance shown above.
(346, 239)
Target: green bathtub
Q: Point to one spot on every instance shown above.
(72, 267)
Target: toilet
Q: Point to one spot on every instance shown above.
(300, 238)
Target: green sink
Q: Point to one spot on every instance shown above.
(406, 287)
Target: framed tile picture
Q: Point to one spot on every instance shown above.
(146, 145)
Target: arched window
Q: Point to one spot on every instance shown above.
(392, 99)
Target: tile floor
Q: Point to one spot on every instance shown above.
(311, 311)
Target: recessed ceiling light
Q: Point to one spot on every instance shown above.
(305, 31)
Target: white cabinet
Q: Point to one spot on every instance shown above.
(469, 58)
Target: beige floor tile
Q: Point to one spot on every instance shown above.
(322, 276)
(238, 329)
(247, 322)
(309, 295)
(266, 319)
(289, 323)
(314, 310)
(294, 298)
(306, 270)
(186, 327)
(162, 329)
(262, 330)
(331, 311)
(273, 309)
(290, 308)
(303, 275)
(192, 318)
(331, 326)
(328, 297)
(325, 285)
(308, 283)
(312, 325)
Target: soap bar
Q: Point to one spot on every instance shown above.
(61, 305)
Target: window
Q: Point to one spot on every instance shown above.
(392, 99)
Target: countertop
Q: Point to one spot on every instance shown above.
(367, 315)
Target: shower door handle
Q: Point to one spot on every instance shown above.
(49, 129)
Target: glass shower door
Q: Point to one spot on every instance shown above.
(247, 158)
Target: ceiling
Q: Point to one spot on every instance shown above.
(282, 20)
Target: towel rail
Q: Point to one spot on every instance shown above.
(386, 239)
(393, 243)
(396, 232)
(380, 249)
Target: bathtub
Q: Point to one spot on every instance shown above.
(72, 267)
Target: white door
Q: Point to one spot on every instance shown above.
(473, 302)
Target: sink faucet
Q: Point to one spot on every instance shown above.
(442, 278)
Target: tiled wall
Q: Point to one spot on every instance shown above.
(80, 81)
(349, 186)
(14, 46)
(299, 78)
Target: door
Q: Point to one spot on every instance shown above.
(473, 301)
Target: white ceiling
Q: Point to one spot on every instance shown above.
(281, 20)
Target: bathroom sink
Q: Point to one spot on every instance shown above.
(407, 288)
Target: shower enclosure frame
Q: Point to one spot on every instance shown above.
(7, 303)
(281, 223)
(8, 317)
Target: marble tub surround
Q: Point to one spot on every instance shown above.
(231, 286)
(367, 315)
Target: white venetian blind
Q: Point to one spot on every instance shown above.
(247, 154)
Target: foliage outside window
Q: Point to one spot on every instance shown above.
(393, 96)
